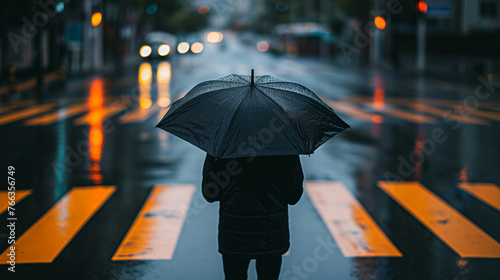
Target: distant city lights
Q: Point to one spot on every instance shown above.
(214, 37)
(183, 47)
(197, 47)
(163, 50)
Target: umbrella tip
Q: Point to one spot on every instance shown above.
(252, 77)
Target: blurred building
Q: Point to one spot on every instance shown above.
(43, 36)
(463, 16)
(480, 15)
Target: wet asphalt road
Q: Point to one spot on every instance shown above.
(435, 141)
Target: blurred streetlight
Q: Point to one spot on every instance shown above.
(214, 37)
(183, 47)
(422, 6)
(380, 22)
(96, 19)
(197, 47)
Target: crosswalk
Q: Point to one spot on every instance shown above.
(81, 112)
(43, 241)
(459, 233)
(155, 232)
(352, 227)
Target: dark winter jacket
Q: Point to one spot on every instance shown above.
(254, 194)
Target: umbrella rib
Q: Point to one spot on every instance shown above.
(324, 106)
(172, 110)
(279, 89)
(239, 77)
(284, 113)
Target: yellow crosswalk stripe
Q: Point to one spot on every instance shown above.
(61, 114)
(28, 112)
(43, 241)
(459, 233)
(102, 113)
(155, 231)
(4, 108)
(483, 114)
(446, 114)
(405, 115)
(139, 114)
(4, 198)
(488, 193)
(355, 232)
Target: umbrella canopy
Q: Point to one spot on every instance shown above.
(245, 116)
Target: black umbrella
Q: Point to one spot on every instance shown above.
(242, 116)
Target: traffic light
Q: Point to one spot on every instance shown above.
(96, 19)
(422, 7)
(380, 22)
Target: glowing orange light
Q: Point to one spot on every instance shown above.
(378, 99)
(203, 9)
(95, 173)
(214, 37)
(463, 174)
(380, 23)
(96, 19)
(422, 6)
(96, 136)
(377, 119)
(145, 79)
(163, 76)
(197, 47)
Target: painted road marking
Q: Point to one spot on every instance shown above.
(490, 106)
(139, 114)
(405, 115)
(102, 113)
(352, 227)
(460, 234)
(483, 114)
(349, 109)
(28, 112)
(446, 114)
(61, 114)
(4, 202)
(4, 108)
(156, 229)
(488, 193)
(43, 241)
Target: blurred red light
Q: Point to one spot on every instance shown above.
(422, 6)
(377, 119)
(203, 9)
(380, 23)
